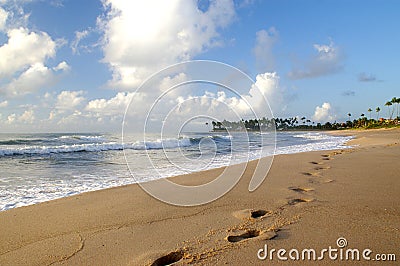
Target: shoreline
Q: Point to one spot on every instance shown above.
(106, 226)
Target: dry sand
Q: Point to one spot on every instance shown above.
(308, 200)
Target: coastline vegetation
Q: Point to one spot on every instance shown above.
(303, 123)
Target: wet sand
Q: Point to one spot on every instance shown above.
(308, 200)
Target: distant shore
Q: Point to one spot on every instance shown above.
(308, 200)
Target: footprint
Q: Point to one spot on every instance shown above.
(325, 155)
(297, 201)
(310, 174)
(326, 158)
(250, 214)
(321, 168)
(306, 173)
(301, 189)
(264, 235)
(258, 214)
(168, 259)
(315, 163)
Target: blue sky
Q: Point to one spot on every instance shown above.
(74, 65)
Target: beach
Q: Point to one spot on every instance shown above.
(308, 201)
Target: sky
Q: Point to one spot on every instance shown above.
(75, 66)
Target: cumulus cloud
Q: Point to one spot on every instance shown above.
(11, 118)
(141, 37)
(265, 40)
(328, 60)
(69, 100)
(28, 117)
(185, 103)
(23, 49)
(113, 106)
(3, 104)
(324, 113)
(22, 62)
(63, 66)
(3, 18)
(218, 103)
(32, 79)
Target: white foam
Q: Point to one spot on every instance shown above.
(159, 144)
(313, 136)
(96, 147)
(325, 142)
(83, 137)
(225, 137)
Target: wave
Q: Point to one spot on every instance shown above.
(328, 144)
(19, 141)
(52, 139)
(83, 137)
(170, 143)
(43, 150)
(160, 144)
(105, 146)
(223, 137)
(213, 137)
(314, 136)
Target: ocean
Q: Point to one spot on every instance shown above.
(41, 167)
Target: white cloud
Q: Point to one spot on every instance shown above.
(328, 60)
(113, 106)
(68, 100)
(3, 104)
(63, 66)
(141, 37)
(324, 113)
(11, 118)
(3, 18)
(265, 40)
(22, 62)
(79, 35)
(221, 105)
(24, 49)
(34, 78)
(27, 117)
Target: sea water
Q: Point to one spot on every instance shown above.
(41, 167)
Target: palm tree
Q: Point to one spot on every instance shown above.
(397, 101)
(377, 110)
(349, 122)
(369, 111)
(388, 104)
(362, 118)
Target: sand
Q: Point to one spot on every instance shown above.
(308, 200)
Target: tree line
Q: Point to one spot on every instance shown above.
(303, 123)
